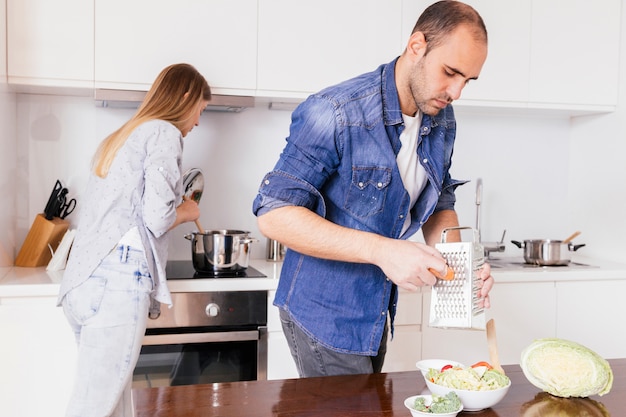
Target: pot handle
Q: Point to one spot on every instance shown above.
(518, 244)
(189, 236)
(574, 248)
(248, 240)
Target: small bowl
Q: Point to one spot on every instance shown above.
(428, 399)
(425, 364)
(472, 400)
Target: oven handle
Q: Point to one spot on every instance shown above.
(207, 337)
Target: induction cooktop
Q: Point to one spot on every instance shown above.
(185, 270)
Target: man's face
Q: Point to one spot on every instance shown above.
(439, 76)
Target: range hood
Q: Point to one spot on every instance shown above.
(132, 98)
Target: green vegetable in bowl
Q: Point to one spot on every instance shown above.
(478, 378)
(448, 404)
(566, 369)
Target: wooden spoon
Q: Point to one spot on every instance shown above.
(493, 346)
(197, 221)
(569, 239)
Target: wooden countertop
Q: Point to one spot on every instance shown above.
(358, 396)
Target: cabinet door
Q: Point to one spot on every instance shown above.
(575, 52)
(522, 312)
(50, 43)
(136, 40)
(406, 346)
(505, 74)
(38, 355)
(306, 46)
(593, 314)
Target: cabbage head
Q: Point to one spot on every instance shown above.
(566, 369)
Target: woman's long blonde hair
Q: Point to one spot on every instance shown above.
(173, 97)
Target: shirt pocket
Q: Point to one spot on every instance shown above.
(368, 191)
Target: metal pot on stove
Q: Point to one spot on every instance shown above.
(546, 252)
(220, 250)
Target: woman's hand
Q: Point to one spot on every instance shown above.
(188, 211)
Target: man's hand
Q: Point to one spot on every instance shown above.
(407, 263)
(487, 282)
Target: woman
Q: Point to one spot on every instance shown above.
(116, 269)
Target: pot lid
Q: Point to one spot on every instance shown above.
(193, 184)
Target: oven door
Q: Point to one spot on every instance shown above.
(172, 357)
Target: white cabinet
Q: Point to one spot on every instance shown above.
(50, 43)
(549, 54)
(593, 314)
(522, 312)
(505, 74)
(575, 52)
(280, 363)
(135, 40)
(306, 46)
(38, 355)
(406, 346)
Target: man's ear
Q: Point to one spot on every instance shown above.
(417, 44)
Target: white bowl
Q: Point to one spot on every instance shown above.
(472, 400)
(426, 364)
(428, 399)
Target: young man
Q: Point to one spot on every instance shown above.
(366, 166)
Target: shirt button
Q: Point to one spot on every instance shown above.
(380, 185)
(383, 313)
(267, 182)
(402, 216)
(425, 160)
(361, 185)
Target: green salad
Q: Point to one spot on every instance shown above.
(448, 404)
(475, 378)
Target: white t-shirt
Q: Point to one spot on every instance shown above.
(412, 172)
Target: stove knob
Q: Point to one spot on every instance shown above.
(212, 310)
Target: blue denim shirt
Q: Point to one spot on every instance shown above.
(340, 162)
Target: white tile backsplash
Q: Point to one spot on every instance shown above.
(523, 162)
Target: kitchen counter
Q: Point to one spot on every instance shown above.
(37, 282)
(359, 395)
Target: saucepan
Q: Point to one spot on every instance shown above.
(220, 250)
(547, 252)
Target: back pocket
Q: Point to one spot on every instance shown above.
(84, 301)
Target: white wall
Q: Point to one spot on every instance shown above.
(523, 160)
(7, 156)
(58, 135)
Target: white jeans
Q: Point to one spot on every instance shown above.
(108, 314)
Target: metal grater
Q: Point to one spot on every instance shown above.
(454, 303)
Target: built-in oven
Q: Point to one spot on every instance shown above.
(205, 337)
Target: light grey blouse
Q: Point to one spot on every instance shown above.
(142, 189)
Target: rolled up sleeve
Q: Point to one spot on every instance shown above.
(280, 189)
(162, 176)
(310, 157)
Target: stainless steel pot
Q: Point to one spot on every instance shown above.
(220, 250)
(546, 252)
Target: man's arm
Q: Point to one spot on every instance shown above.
(436, 223)
(404, 262)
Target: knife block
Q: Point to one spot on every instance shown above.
(43, 232)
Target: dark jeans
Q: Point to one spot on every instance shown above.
(313, 359)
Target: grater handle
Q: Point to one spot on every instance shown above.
(444, 232)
